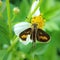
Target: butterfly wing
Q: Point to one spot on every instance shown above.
(23, 35)
(42, 36)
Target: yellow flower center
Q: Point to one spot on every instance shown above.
(39, 21)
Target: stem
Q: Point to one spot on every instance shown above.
(9, 21)
(13, 18)
(0, 14)
(10, 48)
(30, 14)
(3, 9)
(13, 44)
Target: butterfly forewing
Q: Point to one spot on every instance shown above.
(42, 36)
(23, 35)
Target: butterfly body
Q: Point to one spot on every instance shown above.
(35, 34)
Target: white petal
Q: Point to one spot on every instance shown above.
(37, 13)
(18, 28)
(28, 40)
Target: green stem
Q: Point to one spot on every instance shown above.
(31, 13)
(9, 21)
(13, 44)
(0, 14)
(10, 48)
(13, 18)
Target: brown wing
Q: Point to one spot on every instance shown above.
(42, 36)
(23, 35)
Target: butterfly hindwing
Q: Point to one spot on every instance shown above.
(42, 36)
(23, 35)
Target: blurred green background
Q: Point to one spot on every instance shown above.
(43, 51)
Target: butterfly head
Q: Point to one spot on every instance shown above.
(34, 25)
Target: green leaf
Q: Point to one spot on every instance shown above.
(54, 11)
(51, 26)
(39, 48)
(4, 32)
(46, 5)
(49, 9)
(2, 53)
(25, 48)
(24, 9)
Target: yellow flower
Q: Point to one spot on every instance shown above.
(39, 21)
(37, 17)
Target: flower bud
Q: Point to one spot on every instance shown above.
(16, 10)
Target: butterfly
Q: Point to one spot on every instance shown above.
(35, 34)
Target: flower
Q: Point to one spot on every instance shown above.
(39, 21)
(37, 17)
(16, 10)
(20, 27)
(37, 13)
